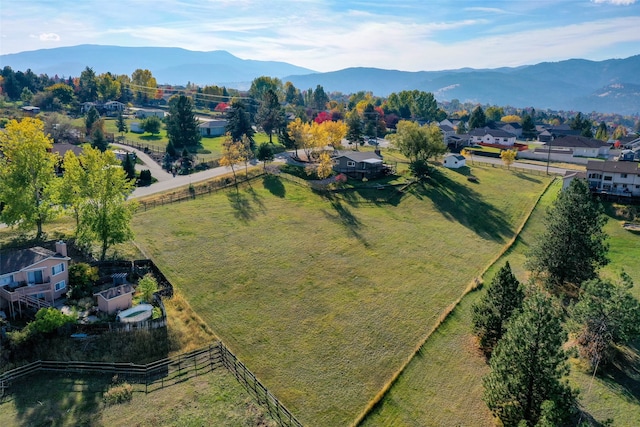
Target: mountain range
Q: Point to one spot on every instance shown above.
(611, 85)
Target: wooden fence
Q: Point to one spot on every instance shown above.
(163, 373)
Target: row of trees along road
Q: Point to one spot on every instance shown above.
(523, 329)
(93, 187)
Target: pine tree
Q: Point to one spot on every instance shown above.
(182, 125)
(491, 313)
(121, 124)
(528, 127)
(477, 119)
(573, 245)
(239, 123)
(129, 166)
(529, 366)
(355, 131)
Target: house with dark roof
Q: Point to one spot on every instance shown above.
(492, 136)
(609, 177)
(454, 161)
(581, 146)
(514, 128)
(33, 277)
(212, 127)
(358, 164)
(546, 134)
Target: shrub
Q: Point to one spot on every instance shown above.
(147, 286)
(145, 178)
(81, 279)
(48, 320)
(117, 394)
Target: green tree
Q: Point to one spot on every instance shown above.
(91, 119)
(265, 154)
(490, 314)
(26, 95)
(494, 113)
(261, 85)
(129, 166)
(608, 315)
(88, 86)
(105, 214)
(528, 127)
(320, 98)
(461, 129)
(152, 125)
(355, 129)
(182, 125)
(581, 124)
(529, 366)
(419, 143)
(48, 320)
(602, 133)
(27, 175)
(573, 245)
(98, 138)
(270, 114)
(82, 276)
(143, 85)
(239, 122)
(477, 119)
(108, 87)
(291, 94)
(70, 189)
(121, 124)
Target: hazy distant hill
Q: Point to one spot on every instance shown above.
(167, 64)
(608, 86)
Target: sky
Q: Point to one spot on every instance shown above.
(408, 35)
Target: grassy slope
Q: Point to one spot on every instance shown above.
(323, 299)
(430, 390)
(215, 398)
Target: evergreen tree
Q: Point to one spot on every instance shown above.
(91, 119)
(528, 127)
(121, 124)
(572, 246)
(608, 315)
(319, 99)
(182, 125)
(355, 130)
(270, 114)
(171, 150)
(129, 166)
(239, 123)
(491, 313)
(477, 119)
(601, 133)
(529, 367)
(98, 139)
(461, 129)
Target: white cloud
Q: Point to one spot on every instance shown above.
(49, 37)
(616, 2)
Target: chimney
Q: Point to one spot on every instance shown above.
(61, 248)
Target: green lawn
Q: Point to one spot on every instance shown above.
(442, 386)
(215, 398)
(324, 299)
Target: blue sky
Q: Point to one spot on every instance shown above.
(409, 35)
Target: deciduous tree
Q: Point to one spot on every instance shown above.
(106, 214)
(152, 125)
(529, 366)
(27, 175)
(508, 157)
(232, 155)
(573, 245)
(265, 154)
(419, 143)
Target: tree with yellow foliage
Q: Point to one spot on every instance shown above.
(232, 154)
(27, 175)
(335, 133)
(511, 118)
(508, 157)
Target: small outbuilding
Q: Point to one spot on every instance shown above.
(454, 161)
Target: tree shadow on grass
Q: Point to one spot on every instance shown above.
(346, 218)
(59, 399)
(274, 185)
(255, 197)
(527, 177)
(623, 374)
(241, 205)
(465, 205)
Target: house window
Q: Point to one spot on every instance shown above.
(624, 185)
(56, 269)
(608, 178)
(60, 285)
(6, 280)
(351, 163)
(35, 277)
(364, 166)
(623, 175)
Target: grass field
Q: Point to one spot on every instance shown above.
(215, 398)
(323, 298)
(442, 386)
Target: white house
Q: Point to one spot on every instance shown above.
(581, 146)
(212, 127)
(143, 113)
(622, 178)
(454, 161)
(135, 127)
(492, 136)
